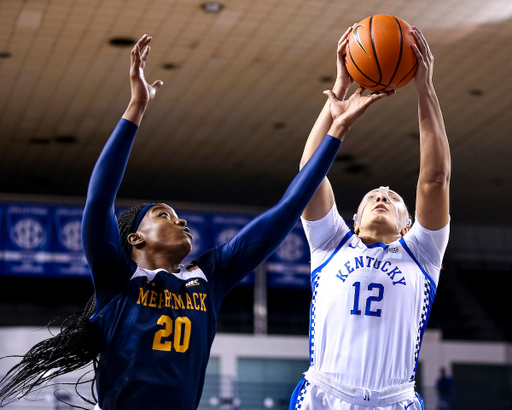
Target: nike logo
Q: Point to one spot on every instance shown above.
(358, 39)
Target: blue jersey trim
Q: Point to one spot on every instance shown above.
(295, 399)
(421, 401)
(402, 242)
(315, 272)
(430, 291)
(377, 244)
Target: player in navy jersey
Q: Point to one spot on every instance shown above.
(154, 319)
(373, 289)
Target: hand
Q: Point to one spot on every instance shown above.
(343, 79)
(423, 80)
(142, 92)
(345, 113)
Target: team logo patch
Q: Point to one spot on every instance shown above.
(194, 282)
(393, 250)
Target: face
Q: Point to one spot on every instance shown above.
(162, 229)
(382, 206)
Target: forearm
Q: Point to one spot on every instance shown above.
(256, 241)
(435, 161)
(135, 111)
(108, 172)
(322, 126)
(99, 224)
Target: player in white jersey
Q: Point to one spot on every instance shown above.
(373, 290)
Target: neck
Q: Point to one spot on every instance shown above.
(156, 261)
(371, 236)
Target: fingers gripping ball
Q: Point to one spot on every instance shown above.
(379, 55)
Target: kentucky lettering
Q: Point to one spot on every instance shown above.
(366, 262)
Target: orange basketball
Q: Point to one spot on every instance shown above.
(379, 55)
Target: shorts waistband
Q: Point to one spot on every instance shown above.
(359, 395)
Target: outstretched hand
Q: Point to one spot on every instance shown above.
(142, 92)
(424, 78)
(343, 79)
(346, 112)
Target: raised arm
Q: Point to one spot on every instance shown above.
(261, 237)
(100, 233)
(323, 199)
(355, 106)
(432, 199)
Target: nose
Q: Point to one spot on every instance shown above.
(181, 222)
(382, 197)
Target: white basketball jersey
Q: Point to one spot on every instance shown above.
(370, 304)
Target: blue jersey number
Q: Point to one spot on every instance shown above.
(182, 325)
(376, 298)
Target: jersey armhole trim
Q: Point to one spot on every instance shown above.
(402, 242)
(317, 270)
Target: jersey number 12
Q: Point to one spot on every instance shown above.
(375, 298)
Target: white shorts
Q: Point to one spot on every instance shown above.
(310, 397)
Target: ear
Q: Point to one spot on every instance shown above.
(135, 239)
(405, 230)
(356, 228)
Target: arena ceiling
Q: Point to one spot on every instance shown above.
(242, 89)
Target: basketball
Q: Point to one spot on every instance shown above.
(379, 55)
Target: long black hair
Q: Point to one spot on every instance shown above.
(73, 348)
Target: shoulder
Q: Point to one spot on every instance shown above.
(426, 238)
(326, 232)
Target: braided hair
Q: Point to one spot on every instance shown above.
(73, 348)
(126, 222)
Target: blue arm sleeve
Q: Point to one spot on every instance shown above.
(228, 264)
(110, 265)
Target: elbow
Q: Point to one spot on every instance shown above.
(440, 178)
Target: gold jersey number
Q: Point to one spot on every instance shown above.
(182, 326)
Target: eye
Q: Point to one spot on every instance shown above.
(164, 214)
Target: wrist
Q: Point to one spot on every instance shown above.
(138, 103)
(135, 111)
(338, 130)
(339, 89)
(426, 90)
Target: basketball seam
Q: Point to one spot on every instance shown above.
(375, 51)
(356, 66)
(401, 50)
(405, 76)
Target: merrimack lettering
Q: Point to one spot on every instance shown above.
(158, 300)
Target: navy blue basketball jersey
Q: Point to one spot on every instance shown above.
(157, 337)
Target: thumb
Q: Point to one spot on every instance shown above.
(331, 95)
(157, 84)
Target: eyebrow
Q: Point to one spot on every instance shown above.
(157, 207)
(166, 208)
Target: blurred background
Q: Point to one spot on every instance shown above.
(243, 84)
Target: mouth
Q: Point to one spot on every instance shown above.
(187, 232)
(381, 206)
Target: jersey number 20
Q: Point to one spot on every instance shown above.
(376, 298)
(181, 324)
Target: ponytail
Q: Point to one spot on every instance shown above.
(73, 348)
